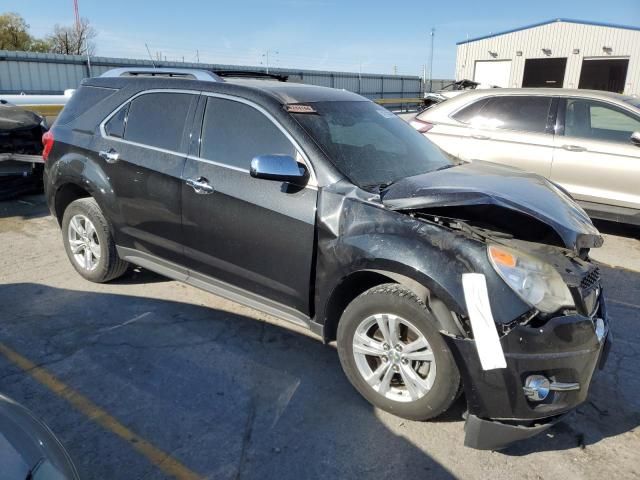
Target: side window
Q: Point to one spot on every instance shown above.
(468, 113)
(116, 125)
(598, 121)
(233, 133)
(526, 114)
(158, 119)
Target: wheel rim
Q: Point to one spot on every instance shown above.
(84, 242)
(394, 357)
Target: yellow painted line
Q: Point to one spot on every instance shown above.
(157, 457)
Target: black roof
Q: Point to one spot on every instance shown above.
(283, 92)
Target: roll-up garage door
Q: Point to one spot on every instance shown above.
(493, 72)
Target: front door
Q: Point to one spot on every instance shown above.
(594, 158)
(254, 234)
(143, 152)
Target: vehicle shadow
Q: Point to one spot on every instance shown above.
(228, 395)
(24, 206)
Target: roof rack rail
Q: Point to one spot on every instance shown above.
(250, 74)
(189, 73)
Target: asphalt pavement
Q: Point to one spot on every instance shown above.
(147, 378)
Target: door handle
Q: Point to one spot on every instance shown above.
(110, 156)
(480, 137)
(200, 185)
(574, 148)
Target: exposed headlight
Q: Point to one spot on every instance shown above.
(536, 282)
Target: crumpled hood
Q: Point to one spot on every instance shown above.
(484, 183)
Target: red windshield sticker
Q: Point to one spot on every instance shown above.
(298, 108)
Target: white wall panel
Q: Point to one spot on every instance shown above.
(562, 38)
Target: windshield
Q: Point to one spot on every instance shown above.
(370, 145)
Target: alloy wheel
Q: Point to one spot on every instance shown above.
(84, 242)
(394, 357)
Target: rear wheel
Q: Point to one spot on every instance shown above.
(89, 243)
(393, 354)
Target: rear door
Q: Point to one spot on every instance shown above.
(514, 130)
(254, 234)
(143, 151)
(594, 158)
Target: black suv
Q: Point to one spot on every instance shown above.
(320, 207)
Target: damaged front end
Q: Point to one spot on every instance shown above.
(542, 362)
(20, 151)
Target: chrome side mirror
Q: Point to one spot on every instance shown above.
(282, 168)
(635, 138)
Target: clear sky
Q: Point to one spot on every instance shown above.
(316, 34)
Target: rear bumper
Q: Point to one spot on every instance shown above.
(565, 349)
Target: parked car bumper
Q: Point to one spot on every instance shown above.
(566, 350)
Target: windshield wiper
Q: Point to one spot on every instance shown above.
(379, 186)
(444, 167)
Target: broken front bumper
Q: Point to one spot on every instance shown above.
(565, 349)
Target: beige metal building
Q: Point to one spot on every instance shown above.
(558, 53)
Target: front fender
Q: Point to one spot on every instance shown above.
(356, 235)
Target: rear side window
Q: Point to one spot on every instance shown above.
(527, 114)
(468, 113)
(115, 126)
(233, 133)
(158, 119)
(81, 101)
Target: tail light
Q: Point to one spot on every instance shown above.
(419, 125)
(47, 143)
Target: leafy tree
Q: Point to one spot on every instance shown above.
(40, 45)
(14, 34)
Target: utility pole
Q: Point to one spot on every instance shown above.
(360, 78)
(197, 56)
(433, 33)
(395, 70)
(424, 77)
(76, 12)
(150, 56)
(266, 57)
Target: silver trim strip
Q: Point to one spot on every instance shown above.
(196, 74)
(217, 164)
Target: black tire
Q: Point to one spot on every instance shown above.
(109, 265)
(394, 299)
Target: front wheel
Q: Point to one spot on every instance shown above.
(393, 354)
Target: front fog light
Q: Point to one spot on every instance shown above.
(536, 282)
(536, 388)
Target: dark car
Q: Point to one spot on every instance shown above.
(28, 449)
(317, 206)
(20, 149)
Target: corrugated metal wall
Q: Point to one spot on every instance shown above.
(43, 73)
(562, 38)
